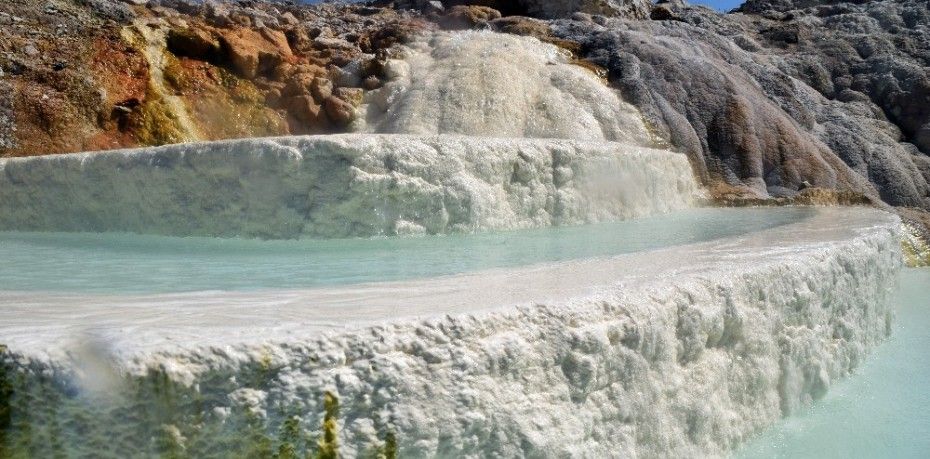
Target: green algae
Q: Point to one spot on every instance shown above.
(154, 123)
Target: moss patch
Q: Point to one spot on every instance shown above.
(45, 413)
(154, 123)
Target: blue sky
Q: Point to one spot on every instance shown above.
(722, 5)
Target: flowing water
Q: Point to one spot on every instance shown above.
(883, 411)
(129, 263)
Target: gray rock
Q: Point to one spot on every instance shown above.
(114, 10)
(7, 118)
(830, 93)
(633, 9)
(550, 9)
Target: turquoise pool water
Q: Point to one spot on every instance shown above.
(129, 263)
(883, 411)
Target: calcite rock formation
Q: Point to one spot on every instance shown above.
(765, 99)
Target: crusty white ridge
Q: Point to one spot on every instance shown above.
(679, 352)
(497, 85)
(345, 185)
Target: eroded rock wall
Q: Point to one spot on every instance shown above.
(106, 74)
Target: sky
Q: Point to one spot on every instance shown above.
(721, 5)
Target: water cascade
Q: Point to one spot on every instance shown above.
(682, 349)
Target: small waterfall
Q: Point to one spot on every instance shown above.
(498, 85)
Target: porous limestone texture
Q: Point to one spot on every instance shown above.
(498, 85)
(678, 352)
(338, 186)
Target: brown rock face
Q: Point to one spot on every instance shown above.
(339, 111)
(321, 88)
(76, 77)
(468, 17)
(194, 42)
(252, 52)
(306, 110)
(299, 84)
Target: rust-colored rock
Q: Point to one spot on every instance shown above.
(390, 34)
(321, 88)
(252, 53)
(193, 42)
(76, 80)
(306, 110)
(521, 25)
(339, 111)
(307, 83)
(298, 84)
(530, 27)
(372, 67)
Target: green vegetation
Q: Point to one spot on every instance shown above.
(6, 394)
(46, 414)
(290, 439)
(328, 445)
(389, 450)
